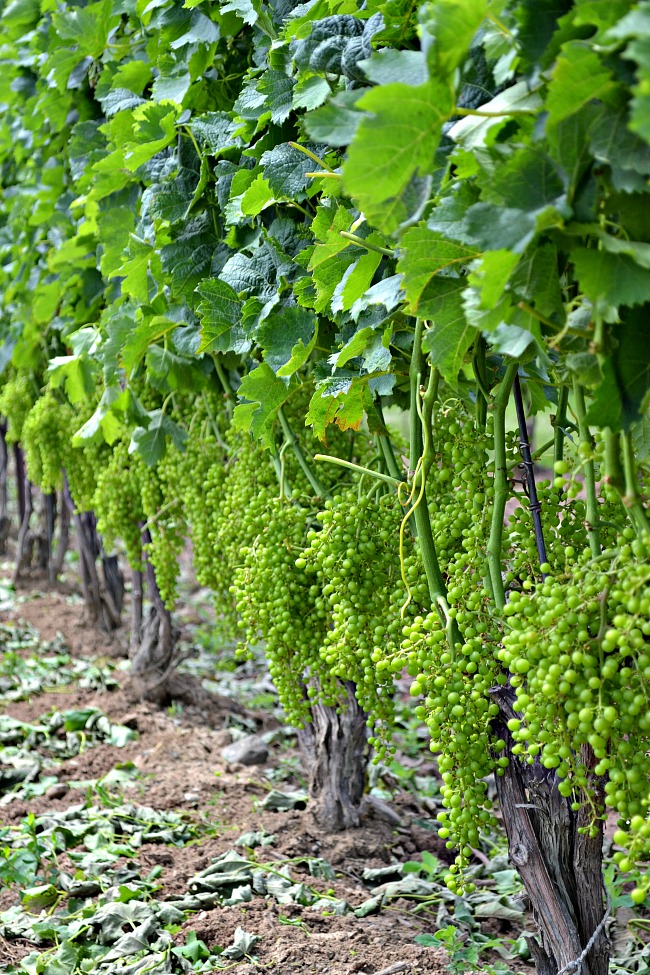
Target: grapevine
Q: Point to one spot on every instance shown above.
(222, 271)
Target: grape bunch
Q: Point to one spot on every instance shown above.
(578, 651)
(279, 603)
(117, 502)
(45, 438)
(355, 561)
(458, 489)
(164, 513)
(17, 396)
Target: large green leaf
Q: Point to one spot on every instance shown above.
(622, 398)
(611, 280)
(579, 77)
(425, 254)
(86, 27)
(287, 337)
(221, 312)
(449, 27)
(395, 142)
(265, 393)
(450, 335)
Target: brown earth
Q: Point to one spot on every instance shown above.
(178, 756)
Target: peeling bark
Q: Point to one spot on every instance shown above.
(49, 514)
(335, 754)
(99, 604)
(23, 547)
(560, 868)
(153, 646)
(5, 521)
(56, 565)
(113, 582)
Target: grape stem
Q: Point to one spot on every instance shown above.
(277, 458)
(500, 484)
(292, 440)
(225, 384)
(420, 511)
(632, 499)
(613, 472)
(529, 477)
(387, 447)
(480, 373)
(360, 470)
(559, 423)
(593, 519)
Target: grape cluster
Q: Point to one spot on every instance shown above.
(578, 651)
(202, 473)
(117, 502)
(355, 560)
(165, 520)
(279, 604)
(17, 396)
(45, 437)
(457, 485)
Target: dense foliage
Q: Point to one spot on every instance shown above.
(235, 230)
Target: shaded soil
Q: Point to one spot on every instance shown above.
(180, 767)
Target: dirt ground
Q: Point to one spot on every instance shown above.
(181, 768)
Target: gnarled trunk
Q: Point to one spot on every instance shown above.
(26, 506)
(100, 603)
(56, 564)
(5, 521)
(335, 755)
(153, 638)
(561, 868)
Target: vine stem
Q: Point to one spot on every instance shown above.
(420, 511)
(632, 499)
(613, 472)
(483, 390)
(360, 242)
(360, 470)
(559, 424)
(593, 519)
(292, 440)
(387, 447)
(225, 384)
(500, 484)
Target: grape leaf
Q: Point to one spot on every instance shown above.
(151, 441)
(579, 77)
(448, 28)
(424, 254)
(221, 315)
(611, 280)
(287, 337)
(285, 171)
(450, 335)
(621, 399)
(266, 393)
(395, 141)
(355, 281)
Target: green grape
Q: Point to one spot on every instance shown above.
(355, 561)
(165, 520)
(117, 502)
(17, 397)
(279, 604)
(45, 436)
(578, 653)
